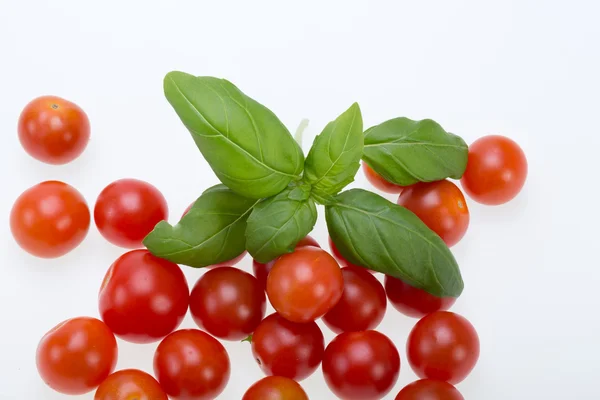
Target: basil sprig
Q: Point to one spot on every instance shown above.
(267, 204)
(404, 151)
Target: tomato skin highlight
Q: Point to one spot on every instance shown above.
(427, 389)
(379, 182)
(228, 303)
(361, 365)
(191, 365)
(443, 346)
(286, 348)
(130, 384)
(77, 355)
(50, 219)
(261, 271)
(143, 298)
(496, 171)
(362, 305)
(441, 206)
(275, 388)
(414, 302)
(305, 284)
(127, 210)
(53, 130)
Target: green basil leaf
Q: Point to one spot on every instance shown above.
(370, 231)
(404, 151)
(211, 232)
(246, 145)
(335, 155)
(277, 224)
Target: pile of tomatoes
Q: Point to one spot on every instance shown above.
(143, 299)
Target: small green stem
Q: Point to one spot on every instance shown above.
(300, 131)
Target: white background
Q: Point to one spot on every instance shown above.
(523, 68)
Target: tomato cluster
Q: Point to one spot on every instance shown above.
(144, 298)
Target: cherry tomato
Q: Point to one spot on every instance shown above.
(427, 389)
(130, 384)
(53, 130)
(443, 346)
(50, 219)
(361, 365)
(362, 305)
(441, 206)
(143, 298)
(77, 355)
(228, 303)
(275, 388)
(286, 348)
(496, 170)
(379, 181)
(414, 302)
(191, 365)
(261, 271)
(127, 210)
(305, 284)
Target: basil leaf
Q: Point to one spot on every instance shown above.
(404, 151)
(370, 231)
(246, 145)
(277, 224)
(335, 155)
(210, 233)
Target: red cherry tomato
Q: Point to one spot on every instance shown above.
(288, 349)
(362, 305)
(53, 130)
(441, 206)
(379, 182)
(427, 389)
(127, 210)
(261, 271)
(340, 258)
(496, 170)
(143, 298)
(275, 388)
(191, 365)
(77, 355)
(50, 219)
(305, 284)
(443, 346)
(130, 384)
(414, 302)
(361, 365)
(228, 303)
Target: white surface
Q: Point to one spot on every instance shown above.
(527, 69)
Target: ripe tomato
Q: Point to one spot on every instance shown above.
(130, 384)
(286, 348)
(496, 170)
(127, 210)
(414, 302)
(305, 284)
(191, 365)
(362, 305)
(443, 346)
(53, 130)
(379, 182)
(143, 298)
(275, 388)
(228, 303)
(50, 219)
(77, 355)
(441, 206)
(261, 271)
(361, 365)
(427, 389)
